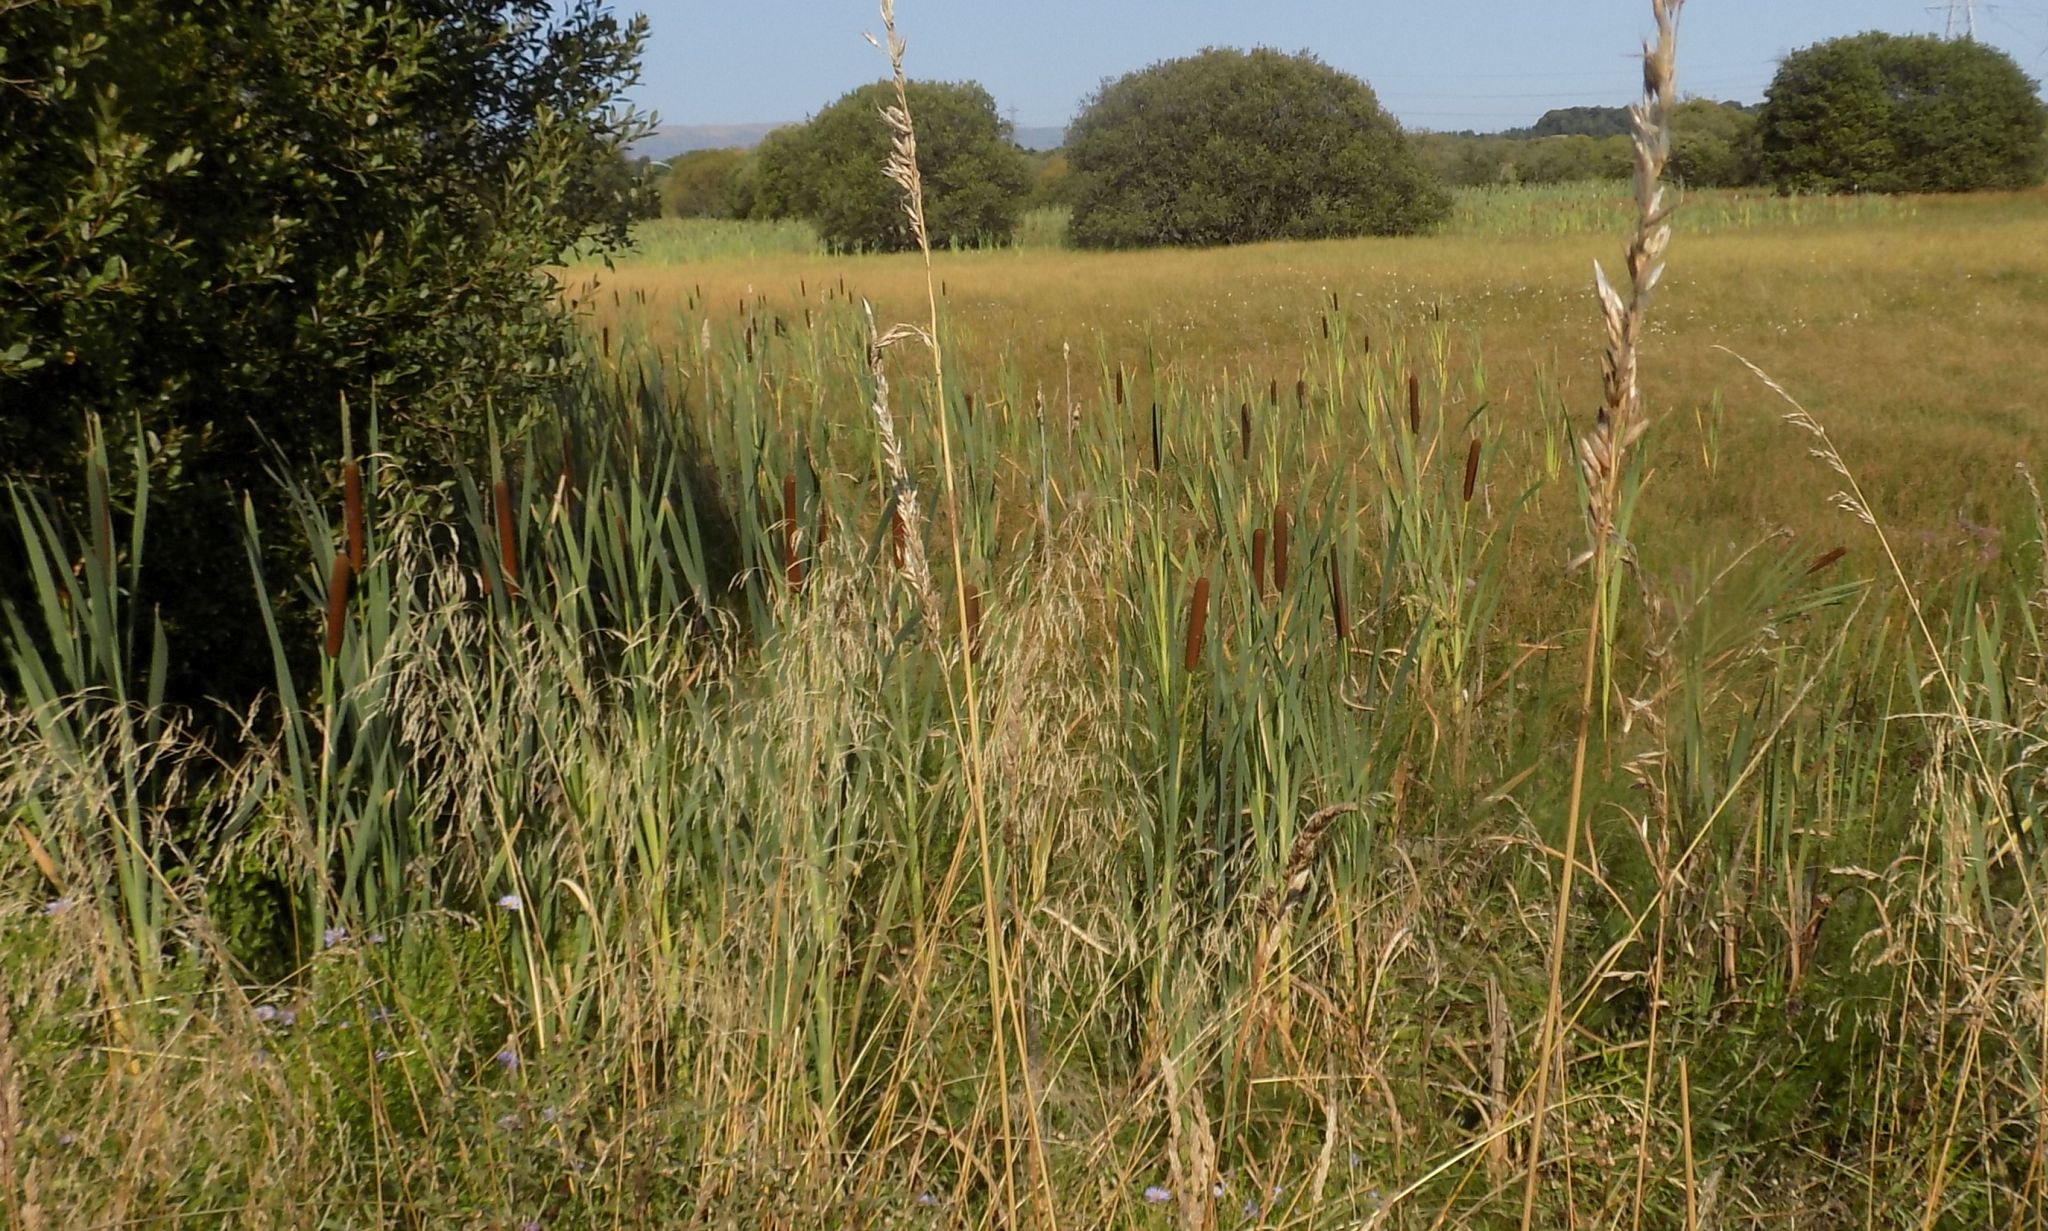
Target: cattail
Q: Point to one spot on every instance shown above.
(604, 335)
(750, 341)
(943, 292)
(1338, 611)
(1273, 391)
(1244, 430)
(1198, 623)
(508, 559)
(1832, 555)
(743, 305)
(1119, 388)
(1279, 550)
(1259, 564)
(1326, 327)
(615, 297)
(352, 512)
(1155, 438)
(1471, 469)
(970, 406)
(1301, 393)
(337, 603)
(807, 318)
(1414, 405)
(792, 570)
(973, 597)
(803, 289)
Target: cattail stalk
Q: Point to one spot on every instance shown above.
(508, 549)
(1198, 623)
(352, 511)
(337, 603)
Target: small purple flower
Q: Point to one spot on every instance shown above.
(531, 1224)
(332, 937)
(512, 903)
(56, 906)
(509, 1121)
(67, 1140)
(1156, 1195)
(272, 1015)
(927, 1200)
(380, 1015)
(506, 1059)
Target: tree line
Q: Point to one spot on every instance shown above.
(1230, 147)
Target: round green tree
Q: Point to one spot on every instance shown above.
(1885, 113)
(1233, 147)
(830, 170)
(700, 184)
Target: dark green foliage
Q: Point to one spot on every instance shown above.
(1885, 113)
(1579, 122)
(1231, 147)
(219, 218)
(1713, 146)
(701, 184)
(829, 171)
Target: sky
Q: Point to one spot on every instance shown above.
(1436, 64)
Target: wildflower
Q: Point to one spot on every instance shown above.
(1155, 1195)
(376, 938)
(382, 1054)
(55, 907)
(272, 1015)
(332, 937)
(509, 1121)
(927, 1200)
(512, 903)
(380, 1015)
(531, 1224)
(506, 1059)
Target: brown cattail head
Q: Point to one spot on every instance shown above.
(1119, 386)
(508, 549)
(807, 317)
(1471, 469)
(750, 341)
(1825, 559)
(337, 603)
(604, 334)
(792, 569)
(803, 289)
(1339, 613)
(1414, 404)
(1273, 391)
(1279, 550)
(970, 406)
(1198, 623)
(352, 512)
(973, 597)
(1244, 431)
(1326, 327)
(1259, 564)
(1301, 393)
(1156, 459)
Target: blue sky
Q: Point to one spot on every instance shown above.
(1443, 64)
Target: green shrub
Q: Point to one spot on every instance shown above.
(1230, 147)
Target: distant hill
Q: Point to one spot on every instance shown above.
(669, 140)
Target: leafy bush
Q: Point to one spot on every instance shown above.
(220, 218)
(1230, 147)
(700, 184)
(1885, 113)
(828, 171)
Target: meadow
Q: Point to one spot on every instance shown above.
(1117, 778)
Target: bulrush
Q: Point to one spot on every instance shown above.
(970, 406)
(604, 335)
(1155, 438)
(792, 569)
(352, 511)
(1273, 391)
(1471, 469)
(1340, 614)
(1301, 393)
(1259, 564)
(1827, 558)
(1414, 405)
(1198, 623)
(1279, 550)
(1119, 386)
(337, 603)
(1244, 431)
(508, 555)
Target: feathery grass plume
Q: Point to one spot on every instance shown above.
(337, 602)
(909, 542)
(1259, 564)
(508, 549)
(1414, 405)
(792, 571)
(1471, 469)
(1244, 431)
(1279, 550)
(1298, 875)
(352, 511)
(1198, 623)
(1340, 613)
(1602, 453)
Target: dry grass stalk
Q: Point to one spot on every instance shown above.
(1602, 453)
(1340, 613)
(792, 570)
